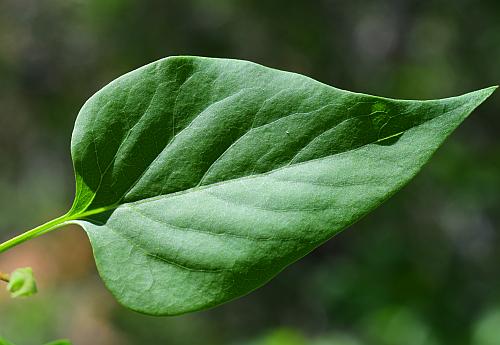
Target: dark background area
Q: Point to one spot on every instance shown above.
(421, 269)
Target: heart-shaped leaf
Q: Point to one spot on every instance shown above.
(198, 179)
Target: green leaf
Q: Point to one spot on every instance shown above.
(22, 283)
(198, 179)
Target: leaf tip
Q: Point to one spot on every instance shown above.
(475, 98)
(486, 92)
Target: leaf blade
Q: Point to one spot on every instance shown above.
(226, 172)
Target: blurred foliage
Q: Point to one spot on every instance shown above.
(422, 269)
(57, 342)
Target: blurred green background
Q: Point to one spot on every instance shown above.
(423, 269)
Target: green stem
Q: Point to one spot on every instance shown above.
(33, 233)
(52, 225)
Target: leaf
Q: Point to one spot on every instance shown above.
(199, 179)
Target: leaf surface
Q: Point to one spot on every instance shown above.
(199, 179)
